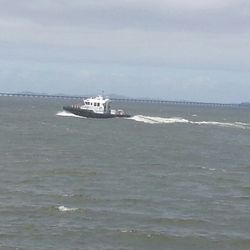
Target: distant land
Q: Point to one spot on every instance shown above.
(115, 97)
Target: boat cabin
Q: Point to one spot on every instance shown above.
(97, 104)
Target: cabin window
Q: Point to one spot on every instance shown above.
(94, 104)
(98, 104)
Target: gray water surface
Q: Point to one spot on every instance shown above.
(171, 177)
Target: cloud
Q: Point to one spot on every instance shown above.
(129, 46)
(206, 36)
(173, 32)
(168, 15)
(158, 4)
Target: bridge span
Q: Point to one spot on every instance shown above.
(33, 95)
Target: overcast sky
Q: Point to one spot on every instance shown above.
(169, 49)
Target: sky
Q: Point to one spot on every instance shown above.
(197, 50)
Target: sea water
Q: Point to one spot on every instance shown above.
(169, 177)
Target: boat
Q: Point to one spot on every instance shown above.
(95, 107)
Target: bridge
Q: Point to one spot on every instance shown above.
(208, 104)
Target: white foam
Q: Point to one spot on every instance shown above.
(172, 120)
(242, 123)
(223, 124)
(66, 209)
(68, 114)
(158, 120)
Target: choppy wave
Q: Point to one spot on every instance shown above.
(68, 114)
(171, 120)
(66, 209)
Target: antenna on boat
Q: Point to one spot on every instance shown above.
(103, 93)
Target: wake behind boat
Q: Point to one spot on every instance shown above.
(95, 107)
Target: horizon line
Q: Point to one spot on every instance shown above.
(125, 99)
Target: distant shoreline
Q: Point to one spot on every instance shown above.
(124, 99)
